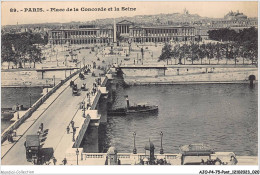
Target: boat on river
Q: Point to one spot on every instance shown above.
(137, 108)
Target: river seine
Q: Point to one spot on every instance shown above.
(10, 96)
(221, 115)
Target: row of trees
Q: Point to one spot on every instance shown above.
(242, 44)
(21, 48)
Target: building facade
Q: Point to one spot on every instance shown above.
(126, 31)
(81, 36)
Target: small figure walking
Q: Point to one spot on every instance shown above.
(41, 127)
(72, 124)
(10, 138)
(64, 161)
(74, 132)
(68, 129)
(39, 132)
(54, 160)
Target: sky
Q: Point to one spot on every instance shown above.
(204, 9)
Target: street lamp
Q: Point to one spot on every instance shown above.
(47, 85)
(84, 109)
(134, 150)
(84, 62)
(89, 99)
(57, 58)
(161, 150)
(77, 153)
(53, 80)
(17, 107)
(30, 100)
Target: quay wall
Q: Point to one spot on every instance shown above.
(186, 75)
(34, 107)
(59, 74)
(32, 77)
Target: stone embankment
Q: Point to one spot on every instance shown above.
(23, 78)
(187, 75)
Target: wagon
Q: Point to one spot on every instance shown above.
(32, 146)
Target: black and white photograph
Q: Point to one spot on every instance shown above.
(94, 83)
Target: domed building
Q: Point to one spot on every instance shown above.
(235, 16)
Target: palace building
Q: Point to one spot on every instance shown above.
(126, 31)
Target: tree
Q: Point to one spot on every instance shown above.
(166, 53)
(218, 51)
(176, 52)
(20, 48)
(244, 43)
(202, 52)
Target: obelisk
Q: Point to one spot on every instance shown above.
(114, 30)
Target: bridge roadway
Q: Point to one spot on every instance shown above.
(55, 118)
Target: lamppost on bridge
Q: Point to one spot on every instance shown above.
(77, 153)
(47, 85)
(30, 100)
(161, 150)
(84, 62)
(17, 107)
(134, 150)
(89, 99)
(53, 80)
(57, 58)
(84, 109)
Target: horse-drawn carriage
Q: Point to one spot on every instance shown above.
(86, 71)
(83, 87)
(81, 76)
(71, 83)
(75, 90)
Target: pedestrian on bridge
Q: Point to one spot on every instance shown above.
(72, 124)
(10, 138)
(68, 129)
(39, 132)
(54, 160)
(64, 161)
(41, 127)
(73, 136)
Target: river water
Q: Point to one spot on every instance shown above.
(221, 115)
(10, 96)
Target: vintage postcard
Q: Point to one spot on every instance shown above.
(129, 83)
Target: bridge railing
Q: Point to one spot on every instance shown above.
(34, 107)
(93, 156)
(104, 82)
(96, 99)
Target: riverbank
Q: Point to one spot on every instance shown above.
(198, 74)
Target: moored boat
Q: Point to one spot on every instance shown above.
(138, 108)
